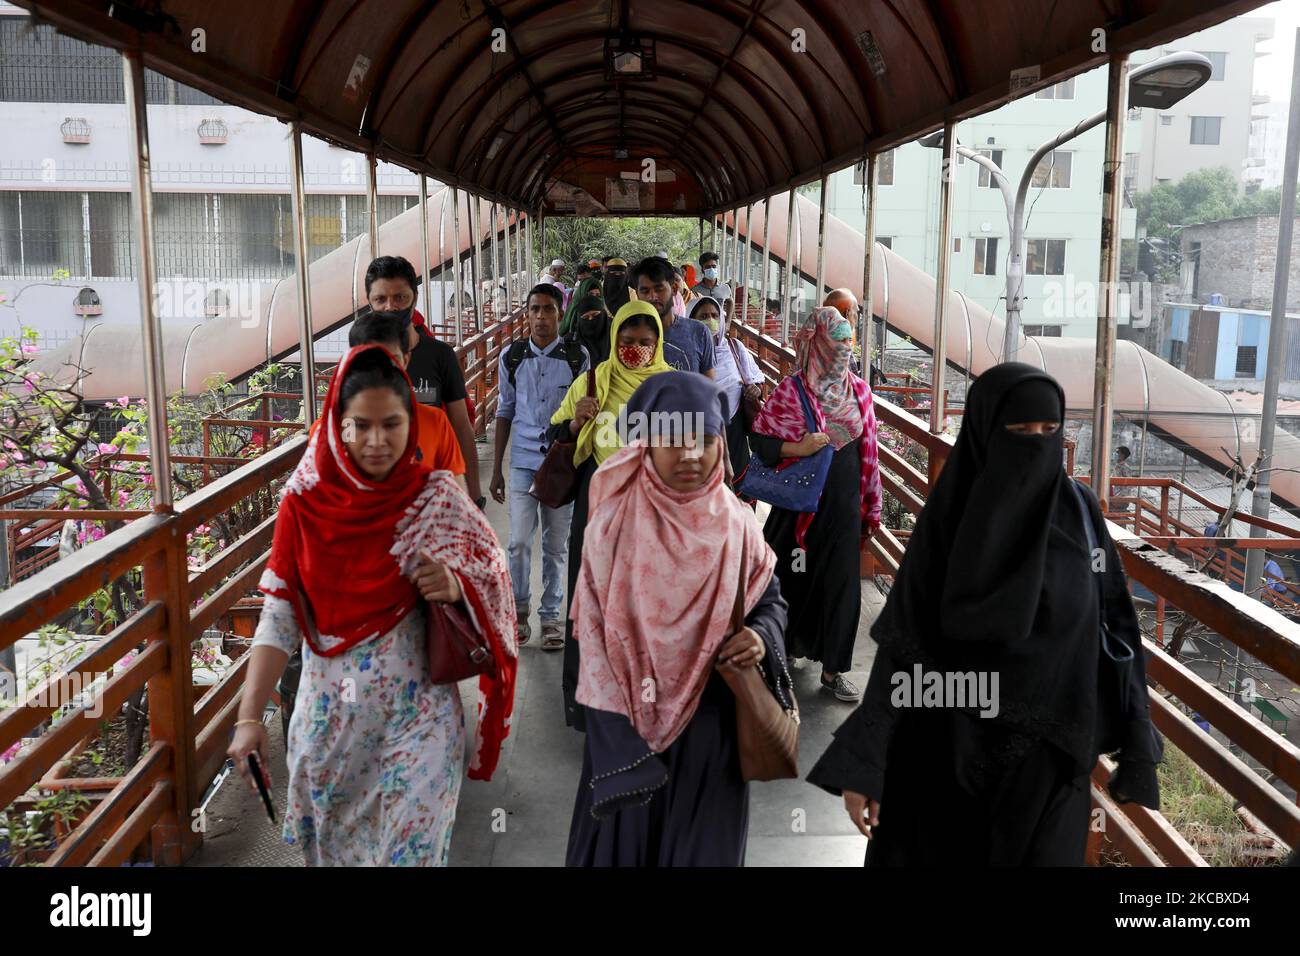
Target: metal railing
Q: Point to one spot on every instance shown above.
(1141, 836)
(156, 798)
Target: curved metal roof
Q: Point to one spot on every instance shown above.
(509, 98)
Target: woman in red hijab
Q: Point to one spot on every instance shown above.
(364, 537)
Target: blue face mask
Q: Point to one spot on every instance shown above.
(711, 272)
(841, 331)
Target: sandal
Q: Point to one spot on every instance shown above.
(552, 636)
(523, 632)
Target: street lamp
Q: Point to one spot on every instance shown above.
(1158, 85)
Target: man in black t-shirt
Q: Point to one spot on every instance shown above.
(435, 373)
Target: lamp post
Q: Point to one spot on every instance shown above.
(1158, 85)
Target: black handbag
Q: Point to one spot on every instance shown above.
(1115, 656)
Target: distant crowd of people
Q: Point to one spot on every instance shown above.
(660, 587)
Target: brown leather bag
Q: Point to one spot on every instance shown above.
(456, 650)
(555, 483)
(751, 393)
(768, 734)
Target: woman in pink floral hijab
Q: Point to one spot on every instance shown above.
(818, 553)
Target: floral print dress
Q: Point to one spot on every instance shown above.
(375, 751)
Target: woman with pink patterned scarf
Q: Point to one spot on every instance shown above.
(661, 782)
(818, 553)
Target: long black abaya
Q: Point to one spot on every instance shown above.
(821, 583)
(997, 580)
(573, 711)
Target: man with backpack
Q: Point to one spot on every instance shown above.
(533, 376)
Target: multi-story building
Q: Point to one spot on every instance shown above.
(1062, 213)
(1212, 126)
(222, 208)
(1063, 210)
(1267, 145)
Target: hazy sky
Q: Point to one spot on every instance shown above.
(1273, 72)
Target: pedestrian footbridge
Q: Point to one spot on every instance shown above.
(534, 110)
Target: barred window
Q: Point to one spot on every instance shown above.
(40, 65)
(40, 233)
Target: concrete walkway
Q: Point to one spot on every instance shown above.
(521, 817)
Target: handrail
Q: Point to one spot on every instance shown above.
(188, 738)
(1144, 837)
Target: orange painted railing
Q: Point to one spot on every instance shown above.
(1141, 836)
(155, 801)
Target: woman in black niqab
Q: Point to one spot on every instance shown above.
(998, 581)
(591, 326)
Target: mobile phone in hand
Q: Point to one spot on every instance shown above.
(258, 776)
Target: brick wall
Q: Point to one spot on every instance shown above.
(1237, 259)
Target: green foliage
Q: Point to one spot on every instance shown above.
(1201, 811)
(1201, 196)
(578, 240)
(24, 835)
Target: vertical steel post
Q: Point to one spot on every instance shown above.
(457, 271)
(505, 256)
(305, 344)
(8, 655)
(442, 262)
(1107, 302)
(947, 171)
(541, 247)
(722, 250)
(1261, 499)
(426, 274)
(788, 270)
(476, 259)
(767, 264)
(868, 262)
(529, 259)
(821, 244)
(744, 263)
(372, 202)
(151, 338)
(171, 703)
(735, 250)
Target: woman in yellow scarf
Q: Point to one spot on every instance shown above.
(636, 353)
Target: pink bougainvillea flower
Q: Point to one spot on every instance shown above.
(124, 401)
(106, 449)
(30, 348)
(10, 753)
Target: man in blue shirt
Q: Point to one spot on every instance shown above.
(532, 379)
(654, 284)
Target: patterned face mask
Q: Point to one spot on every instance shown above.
(636, 356)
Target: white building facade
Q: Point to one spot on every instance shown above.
(1212, 126)
(222, 210)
